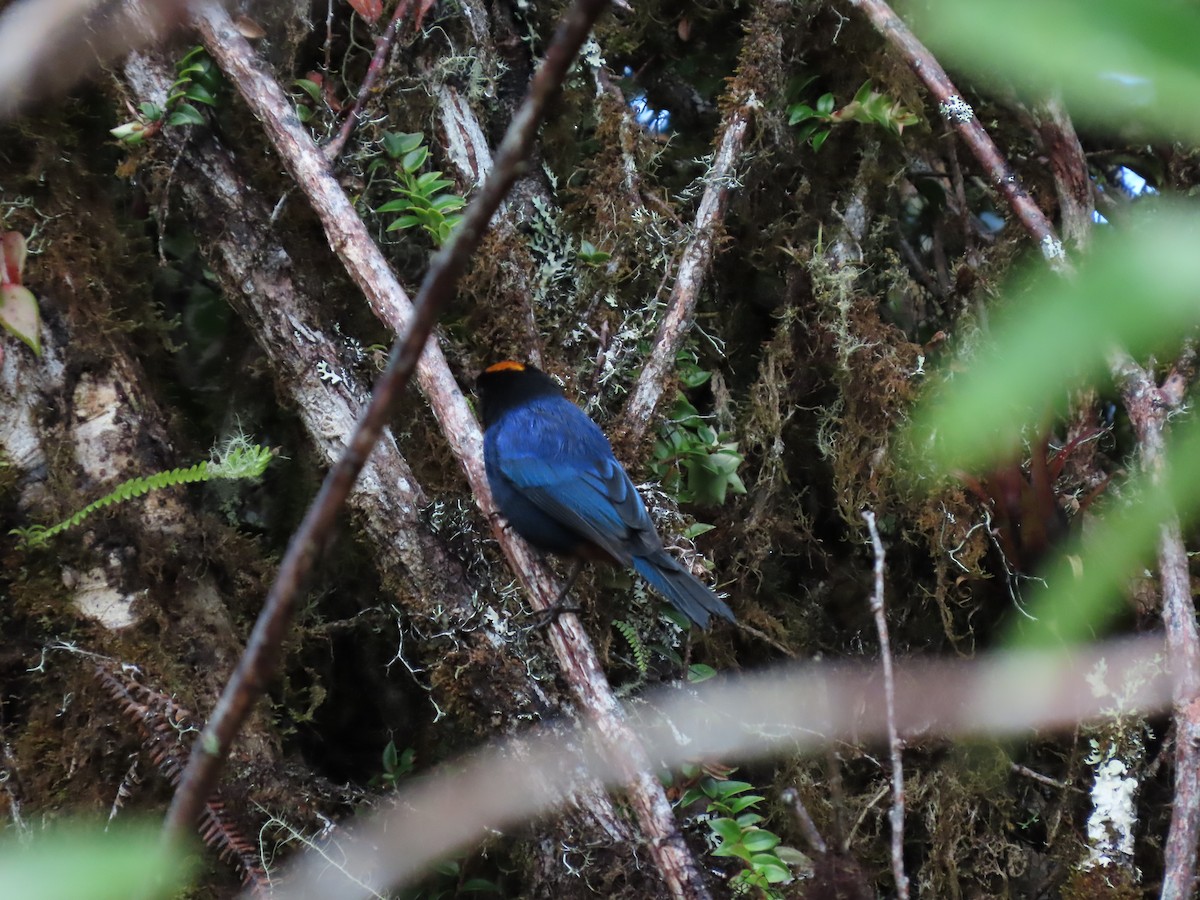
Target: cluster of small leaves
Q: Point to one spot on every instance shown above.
(20, 315)
(869, 106)
(397, 765)
(421, 201)
(735, 825)
(693, 462)
(240, 460)
(197, 80)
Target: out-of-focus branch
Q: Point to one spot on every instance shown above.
(45, 47)
(349, 238)
(962, 118)
(780, 712)
(889, 693)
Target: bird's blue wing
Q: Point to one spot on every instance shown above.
(571, 474)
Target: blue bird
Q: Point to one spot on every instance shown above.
(554, 477)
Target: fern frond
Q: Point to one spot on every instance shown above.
(240, 460)
(641, 656)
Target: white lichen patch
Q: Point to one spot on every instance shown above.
(956, 109)
(98, 600)
(1111, 825)
(97, 433)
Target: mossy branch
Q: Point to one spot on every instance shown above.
(240, 460)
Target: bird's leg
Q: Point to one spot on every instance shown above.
(560, 606)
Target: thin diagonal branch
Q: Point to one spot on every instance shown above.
(350, 240)
(958, 113)
(260, 659)
(383, 46)
(697, 257)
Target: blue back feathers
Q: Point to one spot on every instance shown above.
(555, 478)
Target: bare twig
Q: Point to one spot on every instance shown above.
(808, 827)
(692, 267)
(1042, 779)
(959, 114)
(383, 46)
(261, 656)
(889, 692)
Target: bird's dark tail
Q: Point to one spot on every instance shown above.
(678, 585)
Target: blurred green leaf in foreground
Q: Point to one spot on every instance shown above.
(78, 863)
(1118, 62)
(1120, 65)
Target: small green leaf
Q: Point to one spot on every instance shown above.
(736, 804)
(404, 222)
(698, 672)
(690, 796)
(771, 868)
(826, 104)
(800, 112)
(185, 114)
(398, 143)
(200, 94)
(725, 789)
(430, 183)
(313, 90)
(445, 203)
(196, 51)
(819, 138)
(414, 159)
(726, 829)
(759, 840)
(151, 111)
